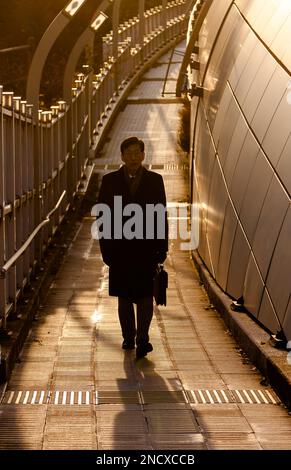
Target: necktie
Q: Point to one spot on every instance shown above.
(131, 184)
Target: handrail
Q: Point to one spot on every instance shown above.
(88, 177)
(24, 247)
(57, 205)
(14, 49)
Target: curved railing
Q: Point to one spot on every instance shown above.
(43, 161)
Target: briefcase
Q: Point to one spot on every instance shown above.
(160, 285)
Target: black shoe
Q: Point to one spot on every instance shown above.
(143, 349)
(128, 344)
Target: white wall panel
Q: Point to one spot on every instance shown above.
(281, 268)
(216, 212)
(202, 236)
(259, 84)
(256, 58)
(264, 13)
(283, 167)
(245, 226)
(253, 287)
(197, 136)
(255, 194)
(221, 113)
(287, 59)
(237, 141)
(243, 5)
(282, 41)
(228, 234)
(234, 44)
(287, 321)
(245, 49)
(279, 129)
(243, 169)
(276, 22)
(203, 248)
(204, 166)
(251, 9)
(269, 102)
(230, 120)
(267, 314)
(217, 74)
(238, 264)
(210, 29)
(269, 225)
(271, 21)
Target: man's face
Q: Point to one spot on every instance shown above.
(132, 157)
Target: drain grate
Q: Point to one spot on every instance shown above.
(93, 397)
(163, 396)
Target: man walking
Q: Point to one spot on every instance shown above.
(133, 238)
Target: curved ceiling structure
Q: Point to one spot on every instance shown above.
(241, 160)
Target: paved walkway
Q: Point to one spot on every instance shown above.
(75, 388)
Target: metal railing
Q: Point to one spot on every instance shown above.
(154, 20)
(42, 164)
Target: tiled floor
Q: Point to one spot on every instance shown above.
(75, 388)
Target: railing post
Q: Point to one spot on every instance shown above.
(115, 27)
(54, 166)
(2, 224)
(63, 148)
(164, 14)
(30, 131)
(36, 183)
(115, 40)
(141, 21)
(19, 162)
(9, 170)
(23, 192)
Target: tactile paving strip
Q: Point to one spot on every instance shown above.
(252, 397)
(93, 397)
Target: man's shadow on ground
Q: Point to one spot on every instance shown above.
(141, 393)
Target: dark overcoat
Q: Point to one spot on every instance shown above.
(132, 262)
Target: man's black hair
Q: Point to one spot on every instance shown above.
(131, 141)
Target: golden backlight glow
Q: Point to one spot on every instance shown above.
(96, 317)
